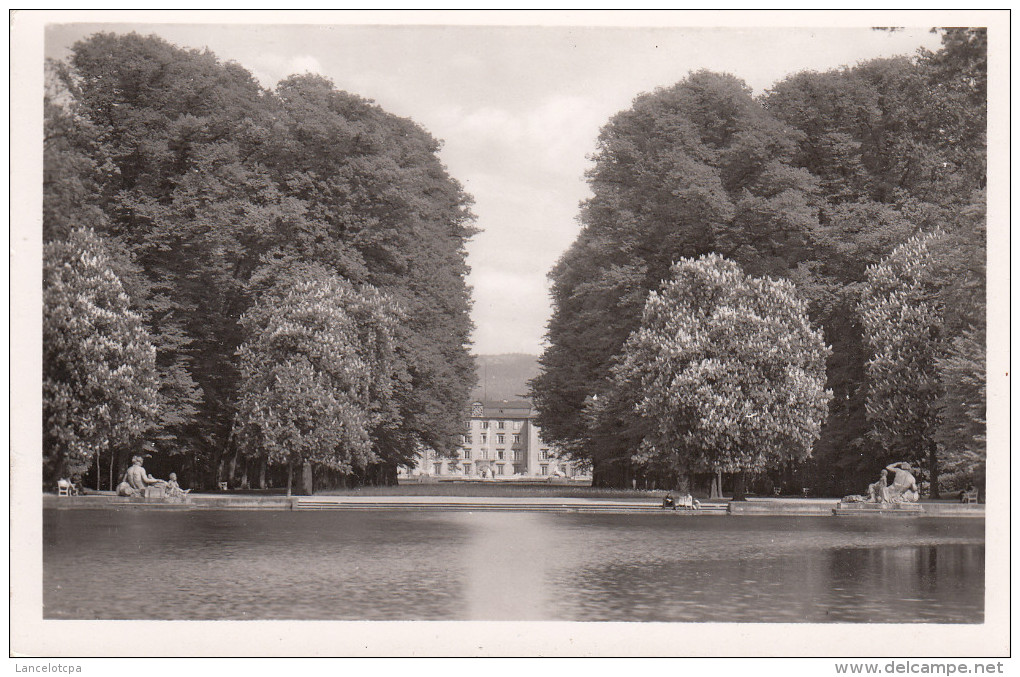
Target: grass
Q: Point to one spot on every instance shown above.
(495, 489)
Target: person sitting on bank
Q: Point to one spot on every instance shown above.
(136, 479)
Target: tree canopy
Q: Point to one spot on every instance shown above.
(99, 366)
(202, 183)
(729, 373)
(318, 372)
(813, 181)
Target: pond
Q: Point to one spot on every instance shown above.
(387, 565)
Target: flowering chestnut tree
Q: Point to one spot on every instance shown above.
(318, 373)
(100, 390)
(727, 372)
(903, 316)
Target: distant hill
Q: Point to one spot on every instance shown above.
(504, 377)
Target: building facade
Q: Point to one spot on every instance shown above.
(499, 439)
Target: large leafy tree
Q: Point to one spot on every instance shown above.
(386, 213)
(898, 146)
(962, 436)
(728, 373)
(923, 311)
(687, 170)
(318, 373)
(99, 367)
(904, 326)
(199, 179)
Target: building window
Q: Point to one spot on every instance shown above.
(467, 468)
(485, 454)
(517, 454)
(517, 438)
(500, 425)
(485, 425)
(545, 469)
(437, 468)
(499, 454)
(500, 438)
(516, 425)
(485, 438)
(499, 469)
(545, 454)
(467, 453)
(467, 425)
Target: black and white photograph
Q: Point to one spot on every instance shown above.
(555, 333)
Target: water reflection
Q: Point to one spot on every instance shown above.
(504, 564)
(510, 566)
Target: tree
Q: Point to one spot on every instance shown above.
(923, 309)
(317, 373)
(898, 146)
(695, 168)
(903, 320)
(962, 436)
(383, 211)
(728, 372)
(99, 366)
(199, 179)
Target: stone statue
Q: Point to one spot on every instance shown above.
(904, 486)
(173, 489)
(136, 480)
(879, 491)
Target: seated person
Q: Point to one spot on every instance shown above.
(687, 501)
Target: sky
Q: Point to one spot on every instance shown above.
(518, 109)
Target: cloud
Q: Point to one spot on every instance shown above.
(304, 63)
(271, 67)
(510, 311)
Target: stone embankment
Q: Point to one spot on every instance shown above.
(756, 506)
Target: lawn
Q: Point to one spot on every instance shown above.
(499, 489)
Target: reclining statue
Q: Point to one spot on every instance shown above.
(904, 486)
(902, 490)
(136, 480)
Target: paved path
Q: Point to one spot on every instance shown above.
(220, 501)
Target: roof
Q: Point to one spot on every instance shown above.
(503, 409)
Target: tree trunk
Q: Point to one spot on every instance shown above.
(307, 479)
(232, 473)
(933, 470)
(715, 491)
(739, 486)
(290, 477)
(263, 462)
(113, 462)
(99, 471)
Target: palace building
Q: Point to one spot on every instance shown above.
(500, 440)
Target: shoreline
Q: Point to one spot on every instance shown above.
(802, 507)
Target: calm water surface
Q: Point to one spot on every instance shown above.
(100, 564)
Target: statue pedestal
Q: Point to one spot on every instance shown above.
(158, 491)
(861, 509)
